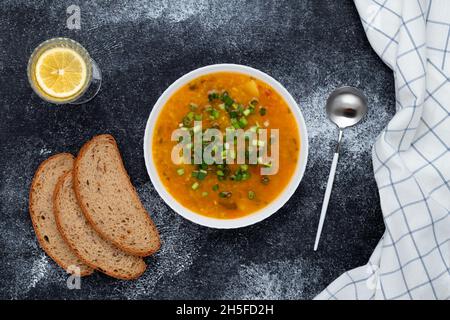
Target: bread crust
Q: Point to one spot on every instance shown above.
(57, 211)
(134, 194)
(33, 215)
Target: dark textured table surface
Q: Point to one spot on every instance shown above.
(142, 46)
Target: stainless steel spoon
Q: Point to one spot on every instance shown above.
(346, 106)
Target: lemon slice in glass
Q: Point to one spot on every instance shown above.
(61, 72)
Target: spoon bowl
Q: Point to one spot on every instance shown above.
(346, 106)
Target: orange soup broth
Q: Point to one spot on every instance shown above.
(242, 89)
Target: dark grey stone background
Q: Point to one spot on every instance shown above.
(142, 46)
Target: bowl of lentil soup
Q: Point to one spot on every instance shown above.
(226, 97)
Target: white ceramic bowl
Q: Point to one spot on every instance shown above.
(248, 219)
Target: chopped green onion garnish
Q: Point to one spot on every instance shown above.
(235, 123)
(204, 194)
(226, 99)
(198, 117)
(246, 112)
(195, 186)
(193, 106)
(180, 171)
(186, 121)
(213, 96)
(225, 194)
(220, 173)
(243, 122)
(263, 111)
(254, 102)
(215, 187)
(214, 114)
(265, 180)
(202, 174)
(244, 167)
(251, 195)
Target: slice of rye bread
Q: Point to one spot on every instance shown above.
(42, 215)
(109, 200)
(85, 242)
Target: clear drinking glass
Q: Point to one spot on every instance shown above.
(89, 83)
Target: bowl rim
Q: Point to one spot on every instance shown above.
(258, 215)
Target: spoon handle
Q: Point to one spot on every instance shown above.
(326, 198)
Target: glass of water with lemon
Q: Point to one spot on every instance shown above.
(61, 71)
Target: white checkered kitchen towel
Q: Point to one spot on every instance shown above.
(411, 157)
